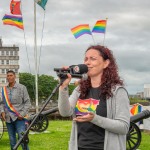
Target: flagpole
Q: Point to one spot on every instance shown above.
(105, 32)
(93, 39)
(35, 57)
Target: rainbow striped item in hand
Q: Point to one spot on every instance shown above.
(84, 106)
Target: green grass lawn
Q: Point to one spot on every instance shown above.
(57, 137)
(145, 143)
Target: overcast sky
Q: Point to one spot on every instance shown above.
(127, 35)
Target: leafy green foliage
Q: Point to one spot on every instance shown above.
(46, 84)
(138, 100)
(28, 80)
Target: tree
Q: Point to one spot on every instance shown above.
(46, 84)
(28, 80)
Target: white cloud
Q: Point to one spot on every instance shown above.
(127, 35)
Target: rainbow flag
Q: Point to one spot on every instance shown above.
(83, 106)
(136, 109)
(100, 26)
(13, 20)
(80, 30)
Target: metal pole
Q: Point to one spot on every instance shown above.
(105, 32)
(35, 57)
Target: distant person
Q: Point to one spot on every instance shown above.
(14, 107)
(99, 105)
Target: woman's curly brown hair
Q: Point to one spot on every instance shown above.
(110, 77)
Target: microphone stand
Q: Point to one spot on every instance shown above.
(24, 138)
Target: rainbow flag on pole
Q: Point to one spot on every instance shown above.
(137, 108)
(13, 20)
(100, 26)
(81, 30)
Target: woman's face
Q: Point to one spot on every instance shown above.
(95, 62)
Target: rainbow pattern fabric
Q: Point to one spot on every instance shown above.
(13, 20)
(86, 105)
(8, 104)
(80, 30)
(100, 26)
(136, 109)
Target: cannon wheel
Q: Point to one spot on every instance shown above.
(41, 124)
(1, 128)
(133, 137)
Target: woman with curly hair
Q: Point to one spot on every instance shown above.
(99, 105)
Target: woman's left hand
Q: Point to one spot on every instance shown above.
(85, 118)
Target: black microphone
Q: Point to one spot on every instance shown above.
(80, 76)
(76, 71)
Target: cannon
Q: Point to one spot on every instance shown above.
(41, 123)
(134, 134)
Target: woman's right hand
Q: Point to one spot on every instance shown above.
(66, 82)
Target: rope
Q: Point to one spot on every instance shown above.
(41, 42)
(25, 42)
(28, 61)
(27, 51)
(38, 66)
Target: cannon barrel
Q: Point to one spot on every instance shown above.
(45, 113)
(50, 111)
(142, 115)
